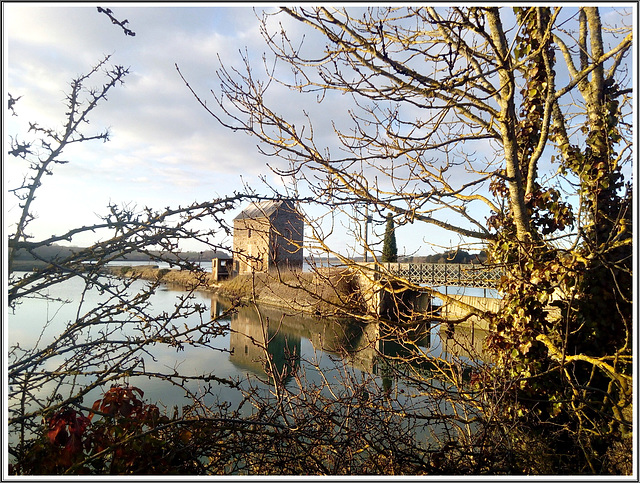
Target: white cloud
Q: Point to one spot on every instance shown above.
(164, 148)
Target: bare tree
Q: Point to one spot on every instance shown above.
(107, 340)
(507, 126)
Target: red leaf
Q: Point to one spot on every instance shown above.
(125, 410)
(58, 434)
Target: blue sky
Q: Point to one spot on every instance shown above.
(165, 150)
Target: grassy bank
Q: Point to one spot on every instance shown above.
(185, 278)
(328, 292)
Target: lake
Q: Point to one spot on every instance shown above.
(324, 350)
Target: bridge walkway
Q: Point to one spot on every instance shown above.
(373, 275)
(442, 274)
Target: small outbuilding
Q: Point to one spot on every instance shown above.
(268, 235)
(221, 268)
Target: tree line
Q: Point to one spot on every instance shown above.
(449, 256)
(46, 254)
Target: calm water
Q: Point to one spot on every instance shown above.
(319, 345)
(205, 264)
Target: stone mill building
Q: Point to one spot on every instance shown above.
(266, 235)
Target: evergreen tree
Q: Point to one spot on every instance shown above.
(390, 248)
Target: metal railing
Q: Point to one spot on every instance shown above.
(444, 274)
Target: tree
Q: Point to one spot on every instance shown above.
(54, 426)
(389, 247)
(507, 126)
(104, 343)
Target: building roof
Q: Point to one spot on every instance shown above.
(260, 209)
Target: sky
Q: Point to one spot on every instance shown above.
(164, 149)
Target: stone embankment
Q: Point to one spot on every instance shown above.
(329, 292)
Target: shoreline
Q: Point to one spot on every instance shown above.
(330, 294)
(324, 293)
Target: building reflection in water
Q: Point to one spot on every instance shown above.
(254, 329)
(256, 335)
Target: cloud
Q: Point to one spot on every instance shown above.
(165, 149)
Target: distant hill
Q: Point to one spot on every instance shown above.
(53, 252)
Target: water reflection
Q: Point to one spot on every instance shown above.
(256, 330)
(291, 340)
(464, 342)
(255, 335)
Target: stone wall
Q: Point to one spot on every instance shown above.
(454, 311)
(251, 245)
(261, 244)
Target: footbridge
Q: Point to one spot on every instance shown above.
(383, 292)
(443, 274)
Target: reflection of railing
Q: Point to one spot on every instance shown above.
(451, 274)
